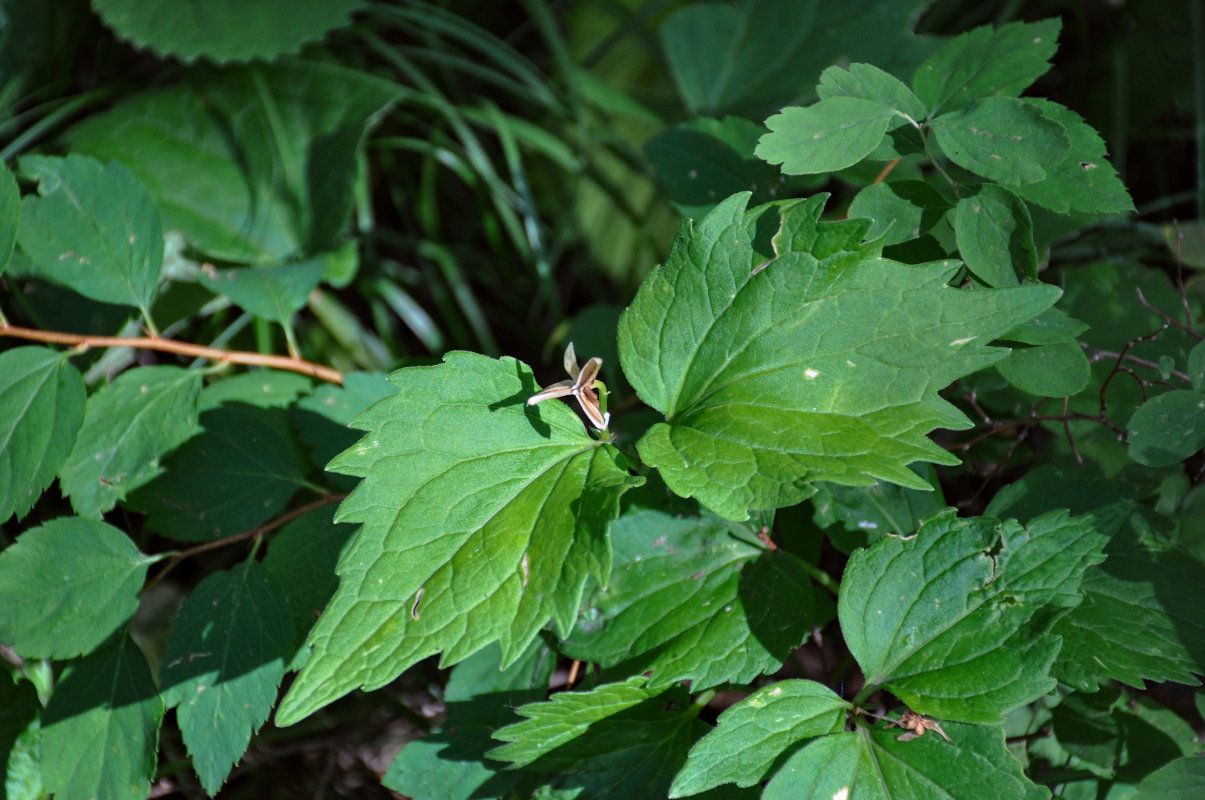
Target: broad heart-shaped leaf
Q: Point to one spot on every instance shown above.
(66, 586)
(1004, 139)
(830, 135)
(751, 735)
(10, 215)
(694, 599)
(1050, 370)
(223, 30)
(1168, 428)
(238, 472)
(481, 517)
(995, 236)
(955, 621)
(128, 426)
(273, 293)
(986, 63)
(224, 660)
(872, 764)
(100, 731)
(93, 229)
(41, 410)
(783, 352)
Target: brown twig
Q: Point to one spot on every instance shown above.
(1167, 318)
(182, 348)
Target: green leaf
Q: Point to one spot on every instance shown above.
(874, 764)
(986, 62)
(995, 236)
(128, 426)
(67, 586)
(1168, 428)
(1102, 731)
(100, 731)
(274, 293)
(224, 30)
(1049, 370)
(694, 599)
(238, 472)
(93, 229)
(223, 663)
(10, 216)
(1182, 779)
(752, 734)
(899, 211)
(781, 359)
(830, 135)
(266, 388)
(1051, 326)
(871, 83)
(19, 709)
(870, 512)
(41, 410)
(321, 420)
(482, 518)
(955, 620)
(1002, 139)
(1084, 180)
(1196, 366)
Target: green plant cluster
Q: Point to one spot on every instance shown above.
(891, 475)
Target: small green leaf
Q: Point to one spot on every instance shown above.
(482, 518)
(1168, 428)
(955, 620)
(1196, 366)
(19, 709)
(870, 512)
(899, 211)
(1182, 779)
(825, 137)
(1051, 326)
(871, 83)
(1049, 370)
(223, 663)
(67, 586)
(752, 734)
(128, 426)
(266, 388)
(100, 731)
(41, 410)
(10, 215)
(693, 599)
(784, 352)
(93, 229)
(321, 419)
(1002, 139)
(224, 30)
(274, 293)
(238, 472)
(995, 236)
(986, 62)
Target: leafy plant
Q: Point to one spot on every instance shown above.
(762, 512)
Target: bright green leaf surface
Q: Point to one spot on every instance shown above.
(41, 410)
(10, 216)
(995, 236)
(899, 211)
(92, 229)
(66, 586)
(238, 472)
(100, 731)
(128, 426)
(1084, 180)
(955, 620)
(870, 83)
(986, 62)
(1003, 139)
(224, 30)
(832, 134)
(822, 365)
(274, 293)
(874, 765)
(751, 735)
(1168, 428)
(1182, 779)
(481, 518)
(1049, 370)
(694, 599)
(224, 660)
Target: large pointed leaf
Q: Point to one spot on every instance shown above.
(782, 352)
(694, 599)
(41, 410)
(955, 620)
(481, 518)
(224, 660)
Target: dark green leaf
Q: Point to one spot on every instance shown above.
(1051, 326)
(66, 586)
(224, 30)
(467, 492)
(1049, 370)
(128, 426)
(955, 620)
(100, 731)
(870, 512)
(1168, 428)
(986, 62)
(321, 420)
(1182, 779)
(10, 216)
(266, 388)
(19, 708)
(1003, 139)
(224, 660)
(899, 211)
(784, 358)
(41, 410)
(1196, 366)
(871, 83)
(995, 236)
(830, 135)
(93, 229)
(274, 293)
